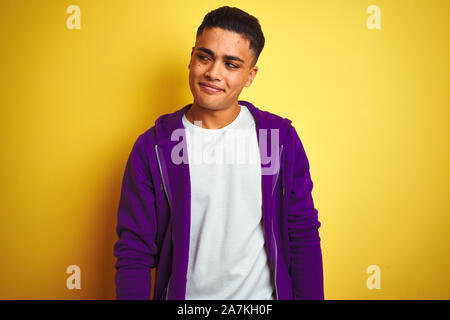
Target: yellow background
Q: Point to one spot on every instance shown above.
(371, 108)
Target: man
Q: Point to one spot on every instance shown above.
(216, 227)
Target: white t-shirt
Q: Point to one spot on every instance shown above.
(227, 258)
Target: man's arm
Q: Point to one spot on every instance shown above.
(303, 224)
(136, 228)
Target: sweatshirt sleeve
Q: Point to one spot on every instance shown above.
(303, 225)
(135, 249)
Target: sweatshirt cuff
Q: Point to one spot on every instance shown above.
(133, 283)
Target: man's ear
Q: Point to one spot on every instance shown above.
(251, 76)
(192, 52)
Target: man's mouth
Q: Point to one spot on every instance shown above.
(210, 88)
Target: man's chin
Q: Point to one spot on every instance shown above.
(207, 104)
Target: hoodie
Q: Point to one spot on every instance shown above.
(153, 220)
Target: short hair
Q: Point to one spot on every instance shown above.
(239, 21)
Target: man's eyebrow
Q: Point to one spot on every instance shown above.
(227, 57)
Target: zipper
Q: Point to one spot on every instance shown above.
(167, 289)
(282, 168)
(275, 271)
(273, 234)
(163, 186)
(278, 173)
(162, 177)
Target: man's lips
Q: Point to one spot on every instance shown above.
(210, 86)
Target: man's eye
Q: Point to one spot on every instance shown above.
(202, 57)
(232, 65)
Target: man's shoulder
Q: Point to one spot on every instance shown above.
(271, 120)
(275, 118)
(278, 121)
(147, 139)
(149, 135)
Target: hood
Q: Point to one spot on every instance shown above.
(167, 123)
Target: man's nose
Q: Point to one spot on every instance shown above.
(214, 71)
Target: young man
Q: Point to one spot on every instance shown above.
(214, 226)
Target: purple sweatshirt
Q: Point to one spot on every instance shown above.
(153, 222)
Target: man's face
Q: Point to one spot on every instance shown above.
(223, 59)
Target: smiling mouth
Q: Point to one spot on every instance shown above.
(209, 89)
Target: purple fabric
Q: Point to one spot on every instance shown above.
(153, 222)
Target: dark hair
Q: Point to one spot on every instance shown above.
(234, 19)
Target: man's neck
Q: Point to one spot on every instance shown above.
(213, 119)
